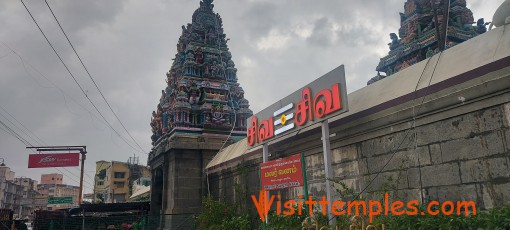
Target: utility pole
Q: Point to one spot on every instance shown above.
(83, 151)
(82, 170)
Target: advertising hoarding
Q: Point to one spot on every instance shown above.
(53, 160)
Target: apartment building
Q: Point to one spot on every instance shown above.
(28, 193)
(8, 190)
(53, 178)
(114, 180)
(53, 187)
(17, 193)
(99, 178)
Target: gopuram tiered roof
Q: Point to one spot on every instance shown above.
(202, 96)
(420, 32)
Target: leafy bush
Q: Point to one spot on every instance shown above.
(237, 222)
(218, 215)
(494, 219)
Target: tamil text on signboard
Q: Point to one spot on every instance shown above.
(53, 160)
(316, 102)
(282, 173)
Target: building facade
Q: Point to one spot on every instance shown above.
(99, 181)
(52, 187)
(48, 191)
(115, 179)
(17, 193)
(53, 178)
(27, 197)
(8, 189)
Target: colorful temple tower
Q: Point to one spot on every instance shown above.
(202, 94)
(201, 109)
(420, 33)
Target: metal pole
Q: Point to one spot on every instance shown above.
(327, 167)
(265, 157)
(21, 199)
(83, 154)
(83, 219)
(305, 180)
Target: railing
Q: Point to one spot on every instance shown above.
(126, 221)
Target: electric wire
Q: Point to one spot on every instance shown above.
(37, 139)
(25, 63)
(230, 98)
(90, 76)
(41, 142)
(76, 81)
(226, 81)
(29, 136)
(408, 129)
(28, 144)
(14, 134)
(23, 140)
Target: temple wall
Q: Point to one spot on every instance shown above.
(462, 157)
(442, 127)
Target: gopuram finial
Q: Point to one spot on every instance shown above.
(207, 3)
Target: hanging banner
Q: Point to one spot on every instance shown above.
(323, 98)
(282, 173)
(53, 160)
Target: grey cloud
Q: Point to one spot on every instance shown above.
(260, 18)
(322, 33)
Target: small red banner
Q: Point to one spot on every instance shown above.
(282, 173)
(53, 160)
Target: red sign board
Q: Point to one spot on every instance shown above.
(282, 173)
(53, 160)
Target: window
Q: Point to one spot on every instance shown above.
(117, 198)
(99, 183)
(119, 184)
(119, 174)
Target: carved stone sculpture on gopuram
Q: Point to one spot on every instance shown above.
(202, 94)
(418, 33)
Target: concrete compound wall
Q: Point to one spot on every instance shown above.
(463, 157)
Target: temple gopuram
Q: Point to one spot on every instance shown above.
(418, 35)
(201, 110)
(202, 93)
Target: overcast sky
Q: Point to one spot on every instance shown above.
(127, 46)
